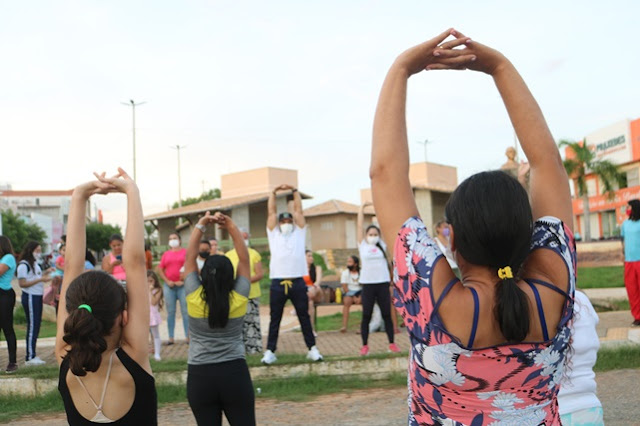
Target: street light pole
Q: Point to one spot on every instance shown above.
(133, 106)
(178, 148)
(424, 143)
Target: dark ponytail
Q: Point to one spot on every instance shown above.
(86, 331)
(492, 221)
(217, 284)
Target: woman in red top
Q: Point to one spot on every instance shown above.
(170, 271)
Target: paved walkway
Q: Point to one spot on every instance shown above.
(617, 391)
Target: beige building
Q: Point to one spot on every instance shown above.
(244, 197)
(432, 186)
(333, 225)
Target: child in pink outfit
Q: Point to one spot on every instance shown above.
(155, 299)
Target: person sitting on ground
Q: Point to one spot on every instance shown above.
(204, 251)
(112, 263)
(102, 332)
(491, 348)
(351, 289)
(287, 236)
(218, 379)
(577, 399)
(314, 291)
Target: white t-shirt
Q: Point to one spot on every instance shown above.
(288, 258)
(375, 269)
(446, 250)
(579, 390)
(30, 274)
(200, 263)
(351, 279)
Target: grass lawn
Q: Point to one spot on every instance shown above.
(618, 358)
(601, 276)
(47, 328)
(293, 389)
(334, 322)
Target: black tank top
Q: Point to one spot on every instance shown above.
(144, 410)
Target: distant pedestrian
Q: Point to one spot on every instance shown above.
(89, 261)
(169, 269)
(251, 333)
(8, 300)
(112, 263)
(156, 301)
(375, 281)
(148, 256)
(287, 237)
(314, 292)
(204, 251)
(630, 233)
(31, 279)
(213, 246)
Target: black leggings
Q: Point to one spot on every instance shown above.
(222, 387)
(370, 294)
(7, 302)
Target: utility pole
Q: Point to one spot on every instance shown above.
(133, 106)
(178, 148)
(424, 143)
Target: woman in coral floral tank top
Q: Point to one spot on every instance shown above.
(490, 349)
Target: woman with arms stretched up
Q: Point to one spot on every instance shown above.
(491, 347)
(101, 342)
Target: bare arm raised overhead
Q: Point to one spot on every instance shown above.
(549, 185)
(392, 194)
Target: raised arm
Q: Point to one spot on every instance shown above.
(225, 222)
(190, 264)
(136, 331)
(549, 183)
(298, 216)
(360, 222)
(389, 172)
(272, 211)
(76, 246)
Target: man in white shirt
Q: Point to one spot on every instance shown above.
(287, 236)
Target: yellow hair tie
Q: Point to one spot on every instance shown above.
(505, 273)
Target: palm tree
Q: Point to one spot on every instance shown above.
(584, 162)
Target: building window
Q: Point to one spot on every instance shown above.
(327, 226)
(632, 177)
(609, 225)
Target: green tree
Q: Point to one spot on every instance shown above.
(211, 194)
(98, 235)
(584, 163)
(21, 232)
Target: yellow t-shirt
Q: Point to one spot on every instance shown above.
(254, 257)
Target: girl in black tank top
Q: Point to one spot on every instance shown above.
(92, 321)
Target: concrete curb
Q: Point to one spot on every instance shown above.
(371, 368)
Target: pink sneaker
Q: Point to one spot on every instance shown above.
(364, 351)
(393, 348)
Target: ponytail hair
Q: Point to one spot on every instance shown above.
(496, 232)
(217, 284)
(85, 330)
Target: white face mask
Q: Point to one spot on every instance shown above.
(174, 243)
(286, 228)
(246, 243)
(373, 239)
(37, 256)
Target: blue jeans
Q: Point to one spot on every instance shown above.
(171, 296)
(33, 311)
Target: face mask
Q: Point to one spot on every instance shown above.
(246, 243)
(174, 243)
(37, 256)
(446, 232)
(286, 228)
(629, 210)
(373, 239)
(203, 254)
(351, 267)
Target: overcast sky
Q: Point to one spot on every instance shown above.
(287, 84)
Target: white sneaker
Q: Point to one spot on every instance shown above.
(35, 361)
(268, 357)
(314, 354)
(157, 358)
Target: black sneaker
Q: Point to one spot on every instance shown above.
(636, 323)
(11, 368)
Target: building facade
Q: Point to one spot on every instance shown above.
(620, 144)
